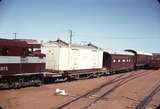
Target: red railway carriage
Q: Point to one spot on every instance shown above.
(155, 63)
(118, 61)
(141, 59)
(20, 60)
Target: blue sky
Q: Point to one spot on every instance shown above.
(115, 24)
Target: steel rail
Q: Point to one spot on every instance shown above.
(121, 83)
(116, 79)
(149, 97)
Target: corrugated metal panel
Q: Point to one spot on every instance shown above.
(72, 58)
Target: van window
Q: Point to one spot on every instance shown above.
(4, 51)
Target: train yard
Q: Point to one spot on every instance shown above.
(111, 62)
(133, 90)
(74, 76)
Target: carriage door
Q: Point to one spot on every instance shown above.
(74, 58)
(106, 60)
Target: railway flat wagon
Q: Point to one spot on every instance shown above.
(21, 63)
(72, 60)
(118, 61)
(142, 59)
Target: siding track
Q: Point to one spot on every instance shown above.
(119, 81)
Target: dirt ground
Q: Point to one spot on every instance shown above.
(124, 97)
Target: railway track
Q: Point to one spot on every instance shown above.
(148, 98)
(119, 80)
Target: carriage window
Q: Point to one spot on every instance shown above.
(30, 50)
(114, 61)
(119, 60)
(123, 60)
(129, 60)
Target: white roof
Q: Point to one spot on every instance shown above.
(110, 51)
(144, 53)
(141, 52)
(61, 43)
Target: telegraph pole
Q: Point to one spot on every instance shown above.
(70, 31)
(15, 35)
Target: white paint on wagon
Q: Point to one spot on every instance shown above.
(63, 57)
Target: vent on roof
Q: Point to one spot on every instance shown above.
(92, 45)
(61, 42)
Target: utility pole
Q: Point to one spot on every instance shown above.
(70, 31)
(15, 35)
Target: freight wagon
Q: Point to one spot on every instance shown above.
(73, 60)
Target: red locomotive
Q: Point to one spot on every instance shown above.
(21, 63)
